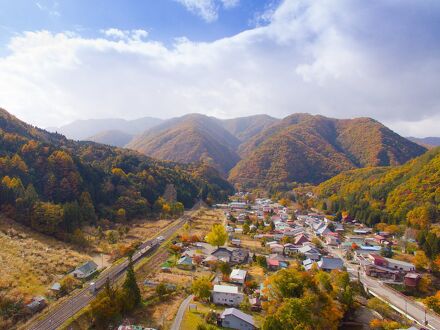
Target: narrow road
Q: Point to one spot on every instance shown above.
(57, 315)
(179, 316)
(405, 304)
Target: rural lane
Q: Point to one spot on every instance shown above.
(179, 316)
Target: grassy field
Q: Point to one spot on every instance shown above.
(202, 222)
(192, 318)
(30, 262)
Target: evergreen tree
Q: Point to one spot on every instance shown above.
(130, 286)
(88, 214)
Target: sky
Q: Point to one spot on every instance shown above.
(76, 59)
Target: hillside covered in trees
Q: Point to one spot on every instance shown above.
(55, 185)
(190, 138)
(306, 148)
(407, 194)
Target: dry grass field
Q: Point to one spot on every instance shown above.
(30, 262)
(203, 220)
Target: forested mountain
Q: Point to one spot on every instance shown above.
(428, 142)
(84, 129)
(307, 148)
(113, 137)
(407, 194)
(188, 139)
(246, 127)
(54, 185)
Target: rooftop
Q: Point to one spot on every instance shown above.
(238, 273)
(225, 288)
(239, 314)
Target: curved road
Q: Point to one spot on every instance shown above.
(179, 316)
(59, 314)
(404, 305)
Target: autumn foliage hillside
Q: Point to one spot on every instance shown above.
(410, 192)
(55, 185)
(307, 148)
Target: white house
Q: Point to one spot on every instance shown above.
(226, 295)
(400, 265)
(85, 270)
(233, 318)
(238, 276)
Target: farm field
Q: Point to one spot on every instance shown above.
(204, 219)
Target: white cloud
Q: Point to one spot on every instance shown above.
(208, 9)
(51, 9)
(125, 34)
(336, 58)
(227, 4)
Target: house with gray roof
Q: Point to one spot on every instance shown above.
(329, 264)
(233, 318)
(85, 270)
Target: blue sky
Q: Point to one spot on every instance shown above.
(77, 59)
(163, 19)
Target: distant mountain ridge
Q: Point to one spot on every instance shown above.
(429, 142)
(112, 137)
(84, 129)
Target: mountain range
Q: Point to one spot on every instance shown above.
(428, 142)
(261, 150)
(45, 177)
(91, 129)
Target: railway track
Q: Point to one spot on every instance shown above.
(59, 314)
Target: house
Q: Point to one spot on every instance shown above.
(236, 242)
(273, 264)
(378, 260)
(85, 270)
(310, 252)
(329, 264)
(36, 305)
(210, 261)
(362, 231)
(255, 304)
(290, 249)
(237, 205)
(301, 239)
(185, 263)
(222, 253)
(239, 256)
(400, 265)
(308, 264)
(226, 295)
(323, 230)
(412, 279)
(233, 318)
(56, 287)
(331, 240)
(276, 248)
(238, 276)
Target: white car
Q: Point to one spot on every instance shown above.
(160, 239)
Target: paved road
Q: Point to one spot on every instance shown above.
(404, 304)
(179, 316)
(57, 315)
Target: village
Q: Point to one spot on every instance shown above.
(225, 254)
(263, 237)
